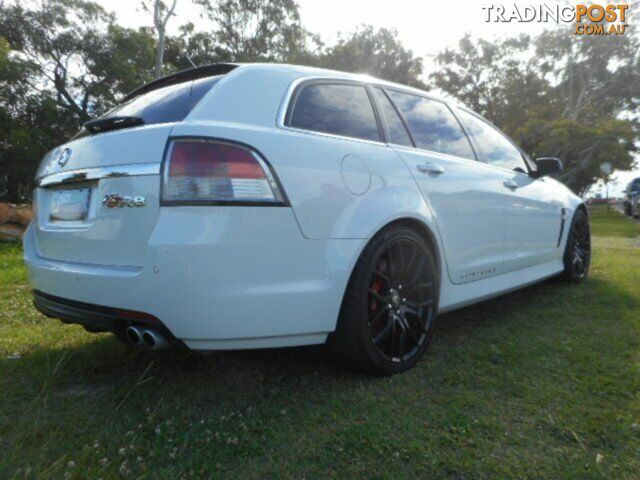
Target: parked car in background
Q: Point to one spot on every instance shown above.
(249, 206)
(631, 196)
(598, 201)
(635, 207)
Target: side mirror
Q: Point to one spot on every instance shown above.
(547, 166)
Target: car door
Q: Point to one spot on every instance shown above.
(464, 195)
(533, 212)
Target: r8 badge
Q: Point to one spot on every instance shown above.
(115, 200)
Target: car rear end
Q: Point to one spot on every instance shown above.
(172, 229)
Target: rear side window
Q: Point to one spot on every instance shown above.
(169, 104)
(397, 132)
(432, 125)
(340, 109)
(494, 148)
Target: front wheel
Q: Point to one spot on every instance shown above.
(577, 256)
(390, 304)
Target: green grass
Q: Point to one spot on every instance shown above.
(11, 265)
(541, 383)
(608, 223)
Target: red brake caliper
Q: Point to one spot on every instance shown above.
(376, 287)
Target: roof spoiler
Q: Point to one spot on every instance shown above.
(183, 76)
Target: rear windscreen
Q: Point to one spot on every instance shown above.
(168, 104)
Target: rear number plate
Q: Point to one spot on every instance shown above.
(70, 204)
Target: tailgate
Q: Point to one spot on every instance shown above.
(101, 205)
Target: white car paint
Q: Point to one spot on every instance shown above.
(223, 277)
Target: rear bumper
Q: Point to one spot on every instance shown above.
(97, 318)
(216, 277)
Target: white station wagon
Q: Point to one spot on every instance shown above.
(249, 206)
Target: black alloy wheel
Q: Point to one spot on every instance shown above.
(389, 309)
(577, 257)
(401, 300)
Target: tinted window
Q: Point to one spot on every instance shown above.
(397, 131)
(494, 148)
(432, 125)
(339, 109)
(168, 104)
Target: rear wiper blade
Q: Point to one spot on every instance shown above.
(112, 123)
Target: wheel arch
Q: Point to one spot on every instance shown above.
(572, 209)
(582, 207)
(425, 232)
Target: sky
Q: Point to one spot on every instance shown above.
(424, 26)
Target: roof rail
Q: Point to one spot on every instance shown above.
(183, 76)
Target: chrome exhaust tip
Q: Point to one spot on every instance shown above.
(134, 335)
(154, 340)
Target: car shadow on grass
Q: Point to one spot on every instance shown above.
(539, 358)
(103, 361)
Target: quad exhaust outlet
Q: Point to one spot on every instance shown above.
(154, 340)
(146, 337)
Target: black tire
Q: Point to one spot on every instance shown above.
(577, 254)
(392, 295)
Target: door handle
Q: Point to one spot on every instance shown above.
(510, 184)
(431, 168)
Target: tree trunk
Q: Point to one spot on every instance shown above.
(159, 53)
(161, 26)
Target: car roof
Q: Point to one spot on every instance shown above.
(302, 71)
(293, 71)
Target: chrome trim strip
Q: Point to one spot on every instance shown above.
(85, 174)
(332, 135)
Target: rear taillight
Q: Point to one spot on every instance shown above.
(211, 171)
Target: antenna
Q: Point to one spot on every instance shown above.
(191, 61)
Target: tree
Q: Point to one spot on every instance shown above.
(161, 14)
(54, 38)
(582, 147)
(61, 63)
(78, 54)
(375, 52)
(480, 73)
(592, 76)
(32, 123)
(256, 30)
(556, 94)
(122, 59)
